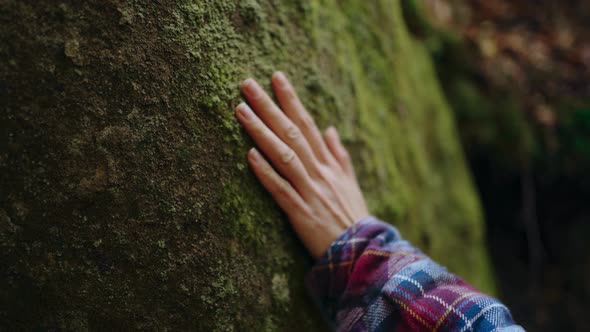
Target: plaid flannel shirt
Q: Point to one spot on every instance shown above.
(372, 280)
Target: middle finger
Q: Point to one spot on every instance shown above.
(280, 154)
(279, 123)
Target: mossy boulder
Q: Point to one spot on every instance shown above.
(126, 200)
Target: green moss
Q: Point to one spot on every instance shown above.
(280, 288)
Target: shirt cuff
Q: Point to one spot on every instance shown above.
(329, 277)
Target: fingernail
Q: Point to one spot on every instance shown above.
(249, 88)
(332, 131)
(244, 111)
(254, 154)
(281, 79)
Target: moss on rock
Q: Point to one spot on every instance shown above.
(126, 199)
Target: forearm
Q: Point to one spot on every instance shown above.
(371, 279)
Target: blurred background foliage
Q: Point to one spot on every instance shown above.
(517, 75)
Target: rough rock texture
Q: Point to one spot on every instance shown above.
(126, 200)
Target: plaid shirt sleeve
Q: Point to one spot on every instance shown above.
(372, 280)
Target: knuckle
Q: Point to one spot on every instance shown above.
(291, 95)
(282, 189)
(325, 173)
(322, 173)
(292, 132)
(268, 172)
(286, 90)
(322, 162)
(287, 156)
(344, 155)
(307, 121)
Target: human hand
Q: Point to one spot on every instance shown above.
(313, 179)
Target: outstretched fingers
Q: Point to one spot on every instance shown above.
(310, 176)
(294, 109)
(280, 154)
(279, 123)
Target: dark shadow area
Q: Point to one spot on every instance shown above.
(517, 75)
(551, 292)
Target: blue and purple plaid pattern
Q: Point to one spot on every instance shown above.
(372, 280)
